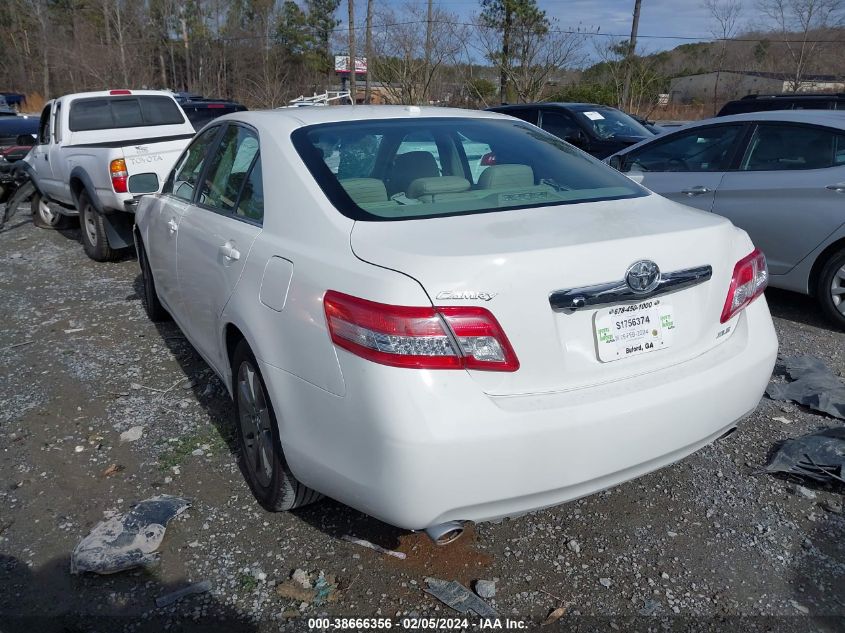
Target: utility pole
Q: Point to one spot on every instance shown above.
(428, 47)
(187, 53)
(632, 49)
(353, 89)
(368, 48)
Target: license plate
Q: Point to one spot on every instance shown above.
(634, 329)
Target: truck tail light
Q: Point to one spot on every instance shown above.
(120, 92)
(423, 338)
(119, 175)
(750, 278)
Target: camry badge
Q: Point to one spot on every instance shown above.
(642, 276)
(458, 295)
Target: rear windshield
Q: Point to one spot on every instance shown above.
(768, 105)
(398, 169)
(199, 116)
(103, 113)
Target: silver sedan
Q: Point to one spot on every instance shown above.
(778, 175)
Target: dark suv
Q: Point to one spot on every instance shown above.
(791, 101)
(597, 129)
(200, 110)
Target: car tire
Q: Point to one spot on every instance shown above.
(44, 217)
(94, 238)
(830, 290)
(152, 306)
(261, 456)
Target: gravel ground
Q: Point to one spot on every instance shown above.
(706, 544)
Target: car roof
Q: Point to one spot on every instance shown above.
(578, 107)
(294, 117)
(831, 118)
(108, 93)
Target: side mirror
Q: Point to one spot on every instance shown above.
(616, 162)
(26, 140)
(143, 183)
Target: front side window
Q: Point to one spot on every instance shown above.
(785, 147)
(228, 168)
(422, 168)
(44, 127)
(183, 179)
(702, 149)
(560, 125)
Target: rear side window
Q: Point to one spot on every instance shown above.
(251, 203)
(228, 168)
(785, 147)
(199, 116)
(701, 149)
(103, 113)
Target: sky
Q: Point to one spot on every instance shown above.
(683, 18)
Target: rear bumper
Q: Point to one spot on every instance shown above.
(417, 448)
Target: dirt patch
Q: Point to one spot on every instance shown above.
(460, 560)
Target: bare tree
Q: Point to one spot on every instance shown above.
(725, 14)
(401, 65)
(538, 50)
(798, 21)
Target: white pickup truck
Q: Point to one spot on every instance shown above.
(96, 154)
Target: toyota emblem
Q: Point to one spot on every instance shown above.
(642, 276)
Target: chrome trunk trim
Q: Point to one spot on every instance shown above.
(619, 292)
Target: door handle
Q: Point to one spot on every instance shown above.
(839, 187)
(695, 191)
(229, 252)
(47, 158)
(171, 224)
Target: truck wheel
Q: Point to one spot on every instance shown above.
(94, 239)
(44, 217)
(152, 306)
(830, 291)
(262, 460)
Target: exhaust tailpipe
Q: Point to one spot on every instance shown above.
(445, 533)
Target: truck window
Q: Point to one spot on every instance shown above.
(44, 126)
(57, 123)
(103, 113)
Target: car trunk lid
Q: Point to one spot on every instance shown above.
(511, 262)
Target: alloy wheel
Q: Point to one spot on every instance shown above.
(255, 424)
(837, 290)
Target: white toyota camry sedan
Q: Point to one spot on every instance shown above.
(438, 316)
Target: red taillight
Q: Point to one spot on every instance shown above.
(424, 338)
(488, 159)
(750, 278)
(120, 92)
(216, 106)
(119, 175)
